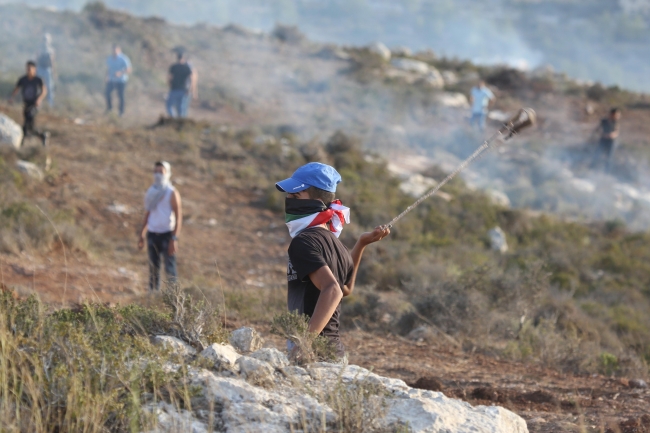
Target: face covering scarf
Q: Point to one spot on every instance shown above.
(302, 214)
(157, 191)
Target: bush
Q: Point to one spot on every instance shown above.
(310, 347)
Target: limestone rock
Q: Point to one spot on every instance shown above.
(498, 240)
(449, 77)
(381, 50)
(245, 407)
(30, 169)
(255, 370)
(410, 65)
(246, 340)
(433, 79)
(416, 185)
(272, 356)
(499, 198)
(171, 420)
(178, 346)
(422, 333)
(223, 355)
(11, 134)
(452, 99)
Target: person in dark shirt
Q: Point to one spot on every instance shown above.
(33, 91)
(321, 270)
(609, 132)
(182, 84)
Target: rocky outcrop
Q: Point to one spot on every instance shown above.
(246, 340)
(380, 50)
(268, 395)
(175, 345)
(11, 134)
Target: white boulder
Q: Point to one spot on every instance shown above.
(30, 169)
(416, 185)
(450, 78)
(11, 134)
(292, 404)
(410, 65)
(453, 100)
(272, 356)
(380, 49)
(255, 370)
(498, 240)
(246, 340)
(224, 356)
(499, 198)
(433, 79)
(176, 345)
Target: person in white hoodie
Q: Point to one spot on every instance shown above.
(162, 225)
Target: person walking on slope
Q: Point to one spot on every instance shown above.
(162, 225)
(321, 270)
(33, 91)
(182, 81)
(45, 67)
(480, 98)
(609, 130)
(118, 69)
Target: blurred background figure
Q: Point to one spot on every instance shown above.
(182, 81)
(161, 225)
(46, 67)
(480, 98)
(33, 91)
(609, 130)
(119, 68)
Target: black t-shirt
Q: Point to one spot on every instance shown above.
(309, 251)
(608, 125)
(180, 73)
(30, 89)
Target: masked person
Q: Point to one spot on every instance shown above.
(321, 270)
(33, 91)
(162, 224)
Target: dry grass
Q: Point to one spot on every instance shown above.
(87, 369)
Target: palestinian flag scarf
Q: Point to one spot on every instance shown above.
(302, 214)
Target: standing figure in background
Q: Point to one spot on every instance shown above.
(480, 98)
(162, 224)
(33, 91)
(45, 67)
(119, 68)
(609, 132)
(182, 81)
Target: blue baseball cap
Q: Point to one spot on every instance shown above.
(321, 176)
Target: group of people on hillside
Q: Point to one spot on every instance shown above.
(607, 130)
(320, 270)
(39, 81)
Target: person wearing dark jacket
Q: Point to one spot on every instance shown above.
(609, 130)
(321, 270)
(33, 90)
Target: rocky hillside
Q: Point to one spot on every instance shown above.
(554, 326)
